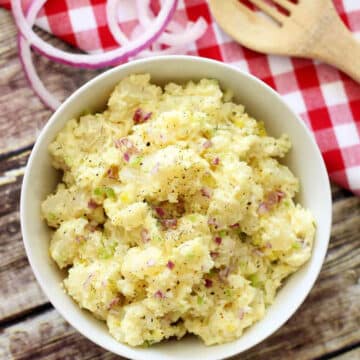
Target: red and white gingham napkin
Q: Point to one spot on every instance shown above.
(327, 100)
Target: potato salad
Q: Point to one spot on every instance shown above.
(174, 214)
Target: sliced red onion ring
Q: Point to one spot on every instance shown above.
(178, 40)
(112, 18)
(193, 32)
(35, 82)
(182, 37)
(30, 72)
(94, 60)
(144, 12)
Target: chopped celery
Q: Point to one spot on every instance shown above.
(254, 279)
(296, 245)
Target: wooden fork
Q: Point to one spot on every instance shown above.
(310, 29)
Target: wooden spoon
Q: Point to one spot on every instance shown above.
(311, 29)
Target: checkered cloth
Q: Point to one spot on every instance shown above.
(327, 100)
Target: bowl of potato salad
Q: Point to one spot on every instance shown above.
(175, 207)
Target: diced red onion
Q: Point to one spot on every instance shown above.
(263, 208)
(208, 283)
(212, 221)
(159, 295)
(207, 144)
(218, 240)
(234, 226)
(272, 198)
(137, 116)
(160, 211)
(224, 273)
(155, 169)
(126, 157)
(126, 145)
(241, 314)
(123, 142)
(170, 265)
(214, 254)
(92, 204)
(206, 192)
(170, 223)
(216, 161)
(114, 302)
(141, 117)
(258, 252)
(79, 239)
(147, 116)
(91, 227)
(113, 172)
(145, 236)
(280, 194)
(94, 60)
(88, 279)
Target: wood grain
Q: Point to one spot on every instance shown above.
(326, 326)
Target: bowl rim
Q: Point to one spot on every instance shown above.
(130, 351)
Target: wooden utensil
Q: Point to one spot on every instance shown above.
(310, 29)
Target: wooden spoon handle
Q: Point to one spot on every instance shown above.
(337, 46)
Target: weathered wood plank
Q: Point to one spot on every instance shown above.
(19, 292)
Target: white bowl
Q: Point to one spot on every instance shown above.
(263, 103)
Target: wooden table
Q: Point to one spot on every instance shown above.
(327, 326)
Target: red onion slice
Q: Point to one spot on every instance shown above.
(193, 32)
(111, 14)
(94, 60)
(177, 40)
(35, 82)
(182, 37)
(28, 66)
